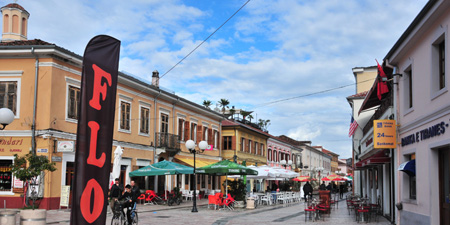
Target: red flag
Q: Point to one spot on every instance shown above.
(381, 85)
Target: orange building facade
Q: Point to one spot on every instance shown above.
(151, 124)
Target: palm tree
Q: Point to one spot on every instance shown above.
(245, 114)
(224, 103)
(264, 124)
(207, 103)
(250, 117)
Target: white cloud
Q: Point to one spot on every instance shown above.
(270, 50)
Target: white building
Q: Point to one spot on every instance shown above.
(420, 56)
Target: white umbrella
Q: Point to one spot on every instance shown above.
(116, 165)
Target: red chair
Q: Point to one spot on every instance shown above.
(229, 202)
(219, 200)
(152, 197)
(309, 209)
(141, 197)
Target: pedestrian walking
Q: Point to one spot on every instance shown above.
(307, 189)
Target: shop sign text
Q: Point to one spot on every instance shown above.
(425, 134)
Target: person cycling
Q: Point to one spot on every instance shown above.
(130, 200)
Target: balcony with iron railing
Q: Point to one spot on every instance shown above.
(385, 105)
(170, 142)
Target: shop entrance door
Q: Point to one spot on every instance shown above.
(444, 186)
(70, 171)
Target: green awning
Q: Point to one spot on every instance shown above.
(226, 167)
(162, 168)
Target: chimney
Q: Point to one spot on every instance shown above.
(15, 22)
(155, 78)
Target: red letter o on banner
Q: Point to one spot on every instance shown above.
(85, 201)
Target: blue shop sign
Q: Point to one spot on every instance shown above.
(427, 133)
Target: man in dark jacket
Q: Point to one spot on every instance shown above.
(128, 201)
(307, 190)
(322, 186)
(135, 190)
(114, 193)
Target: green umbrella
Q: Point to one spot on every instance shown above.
(225, 168)
(162, 168)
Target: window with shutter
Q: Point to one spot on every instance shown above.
(181, 129)
(194, 132)
(73, 102)
(145, 121)
(164, 123)
(199, 134)
(186, 130)
(125, 108)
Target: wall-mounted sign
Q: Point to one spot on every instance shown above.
(65, 146)
(65, 194)
(56, 159)
(42, 150)
(430, 132)
(18, 183)
(384, 134)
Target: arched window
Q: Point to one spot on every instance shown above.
(24, 27)
(275, 155)
(6, 24)
(15, 24)
(269, 155)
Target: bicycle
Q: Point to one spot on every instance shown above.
(119, 217)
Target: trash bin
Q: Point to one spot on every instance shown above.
(8, 217)
(250, 203)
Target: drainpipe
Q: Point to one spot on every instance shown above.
(154, 141)
(33, 125)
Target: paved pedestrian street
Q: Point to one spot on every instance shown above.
(276, 214)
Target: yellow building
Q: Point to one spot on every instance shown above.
(150, 125)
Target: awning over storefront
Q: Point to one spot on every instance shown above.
(378, 158)
(198, 162)
(408, 167)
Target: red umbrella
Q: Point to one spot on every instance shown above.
(302, 178)
(326, 179)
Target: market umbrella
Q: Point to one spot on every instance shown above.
(263, 173)
(116, 165)
(302, 178)
(225, 168)
(162, 168)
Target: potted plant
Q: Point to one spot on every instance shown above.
(238, 191)
(29, 167)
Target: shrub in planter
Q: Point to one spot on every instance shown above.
(27, 168)
(238, 189)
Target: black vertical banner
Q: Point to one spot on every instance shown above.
(95, 130)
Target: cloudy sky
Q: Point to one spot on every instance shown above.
(268, 51)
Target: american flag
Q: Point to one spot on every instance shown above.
(353, 126)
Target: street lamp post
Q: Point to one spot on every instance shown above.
(6, 117)
(190, 145)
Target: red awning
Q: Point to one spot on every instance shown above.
(380, 157)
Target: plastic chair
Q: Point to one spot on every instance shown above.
(309, 209)
(141, 197)
(229, 202)
(266, 198)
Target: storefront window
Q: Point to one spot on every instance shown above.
(5, 175)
